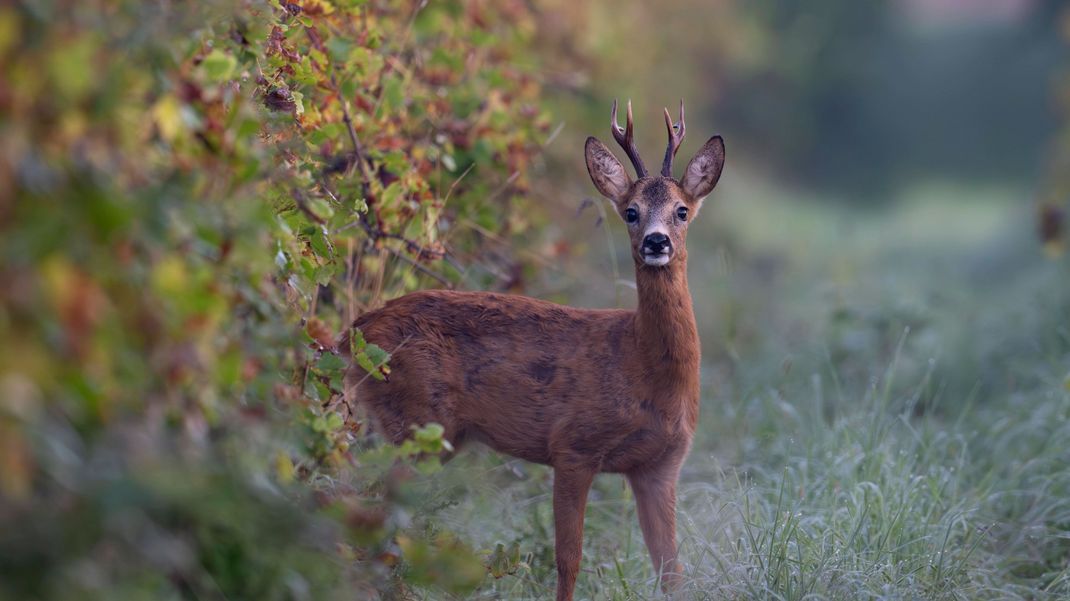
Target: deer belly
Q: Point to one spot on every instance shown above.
(618, 434)
(515, 426)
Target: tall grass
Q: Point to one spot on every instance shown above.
(886, 419)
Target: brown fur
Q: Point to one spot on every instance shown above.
(585, 391)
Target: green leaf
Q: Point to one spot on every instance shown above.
(321, 245)
(329, 363)
(429, 438)
(349, 88)
(429, 433)
(72, 69)
(365, 63)
(324, 274)
(392, 193)
(377, 354)
(339, 48)
(393, 92)
(368, 366)
(356, 341)
(218, 66)
(299, 104)
(504, 562)
(304, 72)
(334, 421)
(396, 161)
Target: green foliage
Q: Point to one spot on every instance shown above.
(371, 357)
(196, 200)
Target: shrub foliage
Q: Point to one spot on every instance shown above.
(197, 198)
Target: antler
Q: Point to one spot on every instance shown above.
(676, 137)
(624, 138)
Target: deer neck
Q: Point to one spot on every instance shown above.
(665, 324)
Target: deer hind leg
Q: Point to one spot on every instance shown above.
(655, 500)
(570, 502)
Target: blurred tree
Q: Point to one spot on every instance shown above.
(859, 98)
(864, 97)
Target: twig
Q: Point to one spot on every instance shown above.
(415, 265)
(376, 233)
(455, 182)
(302, 205)
(545, 261)
(343, 103)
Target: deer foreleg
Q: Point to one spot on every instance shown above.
(570, 502)
(655, 500)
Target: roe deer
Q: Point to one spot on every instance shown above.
(584, 391)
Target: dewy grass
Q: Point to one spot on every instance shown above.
(876, 503)
(867, 506)
(899, 451)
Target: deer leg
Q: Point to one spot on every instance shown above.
(570, 502)
(655, 500)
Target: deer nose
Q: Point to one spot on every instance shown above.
(656, 243)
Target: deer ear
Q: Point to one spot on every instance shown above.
(704, 170)
(606, 171)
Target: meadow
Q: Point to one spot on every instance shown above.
(884, 413)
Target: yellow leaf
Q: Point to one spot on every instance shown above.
(284, 468)
(72, 67)
(168, 117)
(170, 276)
(408, 546)
(9, 29)
(58, 276)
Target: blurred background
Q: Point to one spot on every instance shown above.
(859, 101)
(879, 279)
(195, 200)
(907, 156)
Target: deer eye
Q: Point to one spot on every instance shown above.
(631, 215)
(681, 213)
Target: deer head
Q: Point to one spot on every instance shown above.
(657, 209)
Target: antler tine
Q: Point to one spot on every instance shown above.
(676, 137)
(626, 141)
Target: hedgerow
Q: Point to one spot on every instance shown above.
(198, 198)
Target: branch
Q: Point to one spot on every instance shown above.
(302, 205)
(343, 102)
(418, 267)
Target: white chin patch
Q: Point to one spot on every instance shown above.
(656, 260)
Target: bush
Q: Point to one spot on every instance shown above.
(199, 197)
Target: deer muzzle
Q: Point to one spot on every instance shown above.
(656, 249)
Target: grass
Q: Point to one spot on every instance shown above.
(885, 415)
